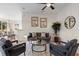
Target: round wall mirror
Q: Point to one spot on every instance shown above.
(70, 22)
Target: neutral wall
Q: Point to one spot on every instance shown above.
(26, 23)
(11, 12)
(65, 34)
(69, 34)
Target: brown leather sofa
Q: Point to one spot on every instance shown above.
(37, 35)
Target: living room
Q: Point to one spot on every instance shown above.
(26, 18)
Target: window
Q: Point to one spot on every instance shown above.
(3, 26)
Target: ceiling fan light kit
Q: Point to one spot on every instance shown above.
(48, 4)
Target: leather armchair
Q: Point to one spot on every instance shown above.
(69, 49)
(11, 50)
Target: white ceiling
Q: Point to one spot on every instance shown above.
(36, 8)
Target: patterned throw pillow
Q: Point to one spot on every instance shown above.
(43, 34)
(34, 34)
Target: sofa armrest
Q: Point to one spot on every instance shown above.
(15, 41)
(19, 46)
(63, 42)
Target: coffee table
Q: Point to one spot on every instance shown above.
(39, 46)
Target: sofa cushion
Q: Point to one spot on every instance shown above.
(46, 34)
(43, 34)
(33, 34)
(38, 34)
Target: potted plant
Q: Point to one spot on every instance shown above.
(56, 27)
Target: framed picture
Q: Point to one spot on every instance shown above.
(70, 22)
(34, 21)
(43, 22)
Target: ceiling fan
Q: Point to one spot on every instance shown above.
(48, 5)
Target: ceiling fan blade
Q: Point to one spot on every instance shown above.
(43, 7)
(52, 7)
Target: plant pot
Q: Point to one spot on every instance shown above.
(56, 39)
